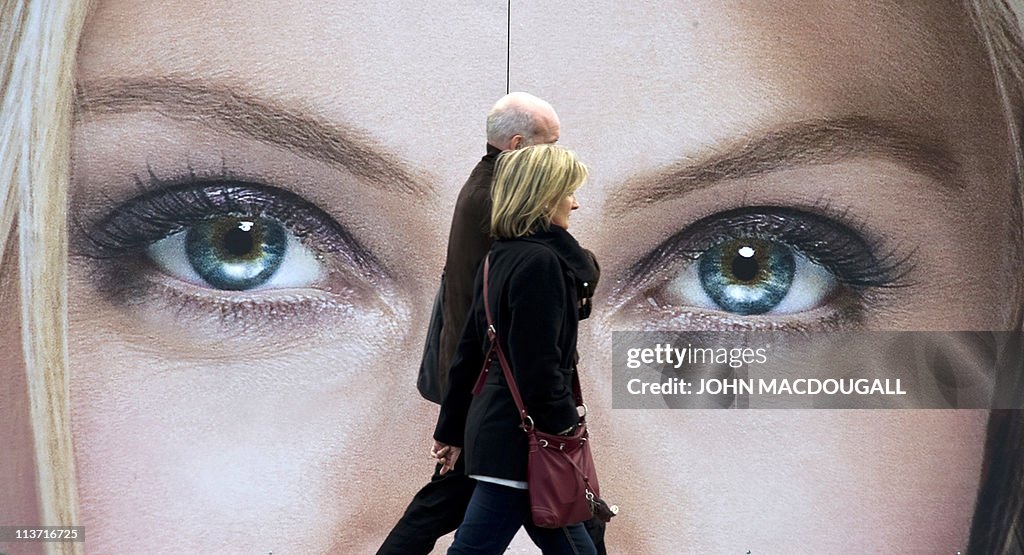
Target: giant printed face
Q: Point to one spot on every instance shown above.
(248, 381)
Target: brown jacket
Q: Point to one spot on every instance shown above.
(468, 242)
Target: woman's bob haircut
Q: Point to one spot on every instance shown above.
(528, 185)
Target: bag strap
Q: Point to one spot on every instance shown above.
(506, 368)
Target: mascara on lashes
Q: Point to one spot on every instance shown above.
(853, 261)
(159, 213)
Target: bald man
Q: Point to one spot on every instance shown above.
(517, 120)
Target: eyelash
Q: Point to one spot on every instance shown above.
(118, 240)
(857, 261)
(170, 206)
(841, 250)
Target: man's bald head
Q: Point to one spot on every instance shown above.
(520, 119)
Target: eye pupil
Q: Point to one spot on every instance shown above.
(745, 267)
(240, 241)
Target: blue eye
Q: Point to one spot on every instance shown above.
(747, 276)
(765, 260)
(235, 254)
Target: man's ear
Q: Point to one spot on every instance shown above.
(515, 142)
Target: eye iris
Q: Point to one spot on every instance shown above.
(236, 253)
(747, 276)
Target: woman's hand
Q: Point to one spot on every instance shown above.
(446, 455)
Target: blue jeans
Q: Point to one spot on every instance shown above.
(495, 514)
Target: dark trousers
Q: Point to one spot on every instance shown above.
(496, 513)
(439, 508)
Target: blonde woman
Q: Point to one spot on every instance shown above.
(248, 395)
(537, 275)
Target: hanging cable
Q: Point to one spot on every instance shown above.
(508, 47)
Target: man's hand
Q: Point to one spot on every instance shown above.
(446, 455)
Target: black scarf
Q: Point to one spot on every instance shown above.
(579, 263)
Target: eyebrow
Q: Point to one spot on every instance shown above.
(801, 144)
(237, 113)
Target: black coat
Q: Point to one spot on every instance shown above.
(534, 289)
